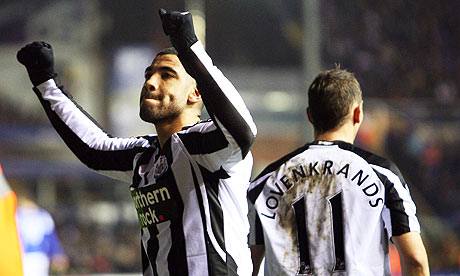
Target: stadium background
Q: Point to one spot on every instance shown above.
(405, 54)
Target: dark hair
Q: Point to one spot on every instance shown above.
(168, 51)
(330, 98)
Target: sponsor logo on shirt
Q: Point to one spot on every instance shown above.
(153, 204)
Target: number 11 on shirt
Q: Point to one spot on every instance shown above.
(300, 212)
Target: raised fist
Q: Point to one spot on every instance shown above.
(38, 59)
(179, 27)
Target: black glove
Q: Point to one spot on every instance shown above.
(179, 27)
(38, 59)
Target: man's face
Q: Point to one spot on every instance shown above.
(165, 92)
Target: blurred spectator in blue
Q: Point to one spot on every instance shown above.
(42, 250)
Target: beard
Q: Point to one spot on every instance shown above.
(159, 113)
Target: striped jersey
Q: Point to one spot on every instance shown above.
(190, 194)
(328, 208)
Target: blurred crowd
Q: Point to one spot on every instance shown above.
(93, 248)
(397, 49)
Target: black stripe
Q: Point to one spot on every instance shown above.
(143, 159)
(217, 265)
(275, 165)
(337, 224)
(121, 160)
(177, 256)
(215, 208)
(145, 258)
(199, 122)
(152, 248)
(209, 249)
(232, 267)
(204, 143)
(259, 230)
(399, 218)
(305, 266)
(216, 102)
(254, 193)
(373, 159)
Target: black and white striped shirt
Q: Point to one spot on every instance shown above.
(329, 207)
(190, 195)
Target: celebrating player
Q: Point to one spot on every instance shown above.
(188, 182)
(329, 207)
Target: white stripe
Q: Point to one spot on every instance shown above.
(145, 238)
(404, 194)
(164, 246)
(387, 220)
(80, 124)
(191, 218)
(201, 128)
(143, 169)
(205, 203)
(212, 238)
(225, 85)
(211, 161)
(86, 129)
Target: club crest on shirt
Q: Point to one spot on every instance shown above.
(160, 167)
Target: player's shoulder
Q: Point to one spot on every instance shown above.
(276, 164)
(198, 126)
(372, 158)
(147, 140)
(149, 137)
(257, 184)
(196, 130)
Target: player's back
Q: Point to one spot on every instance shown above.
(323, 210)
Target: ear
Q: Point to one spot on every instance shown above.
(358, 113)
(194, 96)
(309, 115)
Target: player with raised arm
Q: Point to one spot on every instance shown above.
(329, 207)
(188, 182)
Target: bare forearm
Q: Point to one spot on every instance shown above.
(414, 260)
(415, 269)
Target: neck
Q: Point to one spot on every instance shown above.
(166, 129)
(344, 133)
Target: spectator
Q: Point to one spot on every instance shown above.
(42, 250)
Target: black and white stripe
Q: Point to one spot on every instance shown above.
(399, 213)
(203, 172)
(374, 202)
